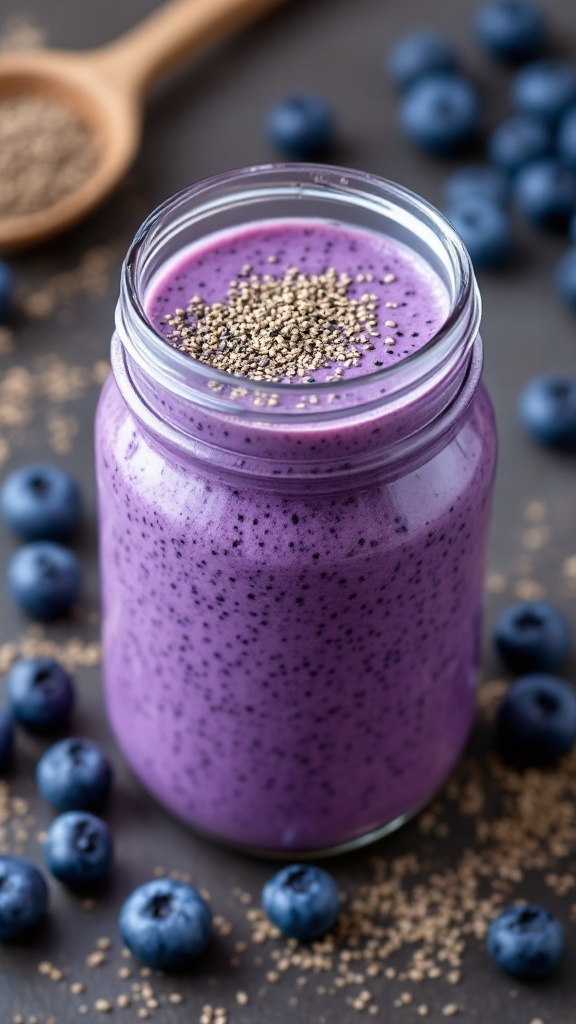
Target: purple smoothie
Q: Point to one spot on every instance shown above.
(290, 668)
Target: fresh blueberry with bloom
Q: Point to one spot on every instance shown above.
(518, 141)
(511, 30)
(526, 941)
(74, 775)
(6, 292)
(165, 924)
(23, 897)
(485, 229)
(440, 113)
(566, 141)
(420, 53)
(44, 579)
(40, 693)
(532, 636)
(78, 849)
(302, 901)
(545, 88)
(536, 722)
(480, 181)
(548, 411)
(41, 502)
(301, 126)
(6, 737)
(565, 277)
(545, 191)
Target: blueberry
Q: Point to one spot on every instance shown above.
(440, 113)
(572, 228)
(44, 579)
(532, 636)
(565, 277)
(302, 901)
(518, 141)
(418, 54)
(40, 693)
(482, 181)
(566, 141)
(41, 502)
(23, 897)
(6, 290)
(512, 30)
(536, 721)
(74, 775)
(546, 89)
(526, 941)
(78, 849)
(6, 738)
(548, 411)
(545, 191)
(165, 924)
(301, 126)
(485, 229)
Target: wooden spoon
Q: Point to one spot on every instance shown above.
(106, 88)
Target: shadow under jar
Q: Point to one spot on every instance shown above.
(292, 570)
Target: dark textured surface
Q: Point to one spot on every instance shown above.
(207, 119)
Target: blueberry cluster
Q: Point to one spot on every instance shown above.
(536, 722)
(41, 504)
(72, 775)
(532, 154)
(166, 923)
(531, 161)
(535, 726)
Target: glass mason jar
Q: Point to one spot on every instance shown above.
(292, 573)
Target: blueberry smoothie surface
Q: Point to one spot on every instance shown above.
(293, 668)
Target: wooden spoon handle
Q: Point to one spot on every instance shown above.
(172, 33)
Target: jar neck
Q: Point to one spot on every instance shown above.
(383, 422)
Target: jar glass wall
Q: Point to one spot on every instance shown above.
(292, 572)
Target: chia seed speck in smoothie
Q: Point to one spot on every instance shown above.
(292, 562)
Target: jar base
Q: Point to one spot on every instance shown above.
(322, 853)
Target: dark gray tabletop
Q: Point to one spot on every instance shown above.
(412, 945)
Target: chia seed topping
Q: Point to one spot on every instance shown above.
(273, 328)
(296, 300)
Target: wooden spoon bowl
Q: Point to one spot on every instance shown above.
(105, 88)
(114, 125)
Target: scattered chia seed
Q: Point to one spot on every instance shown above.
(276, 328)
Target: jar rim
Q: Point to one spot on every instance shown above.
(183, 375)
